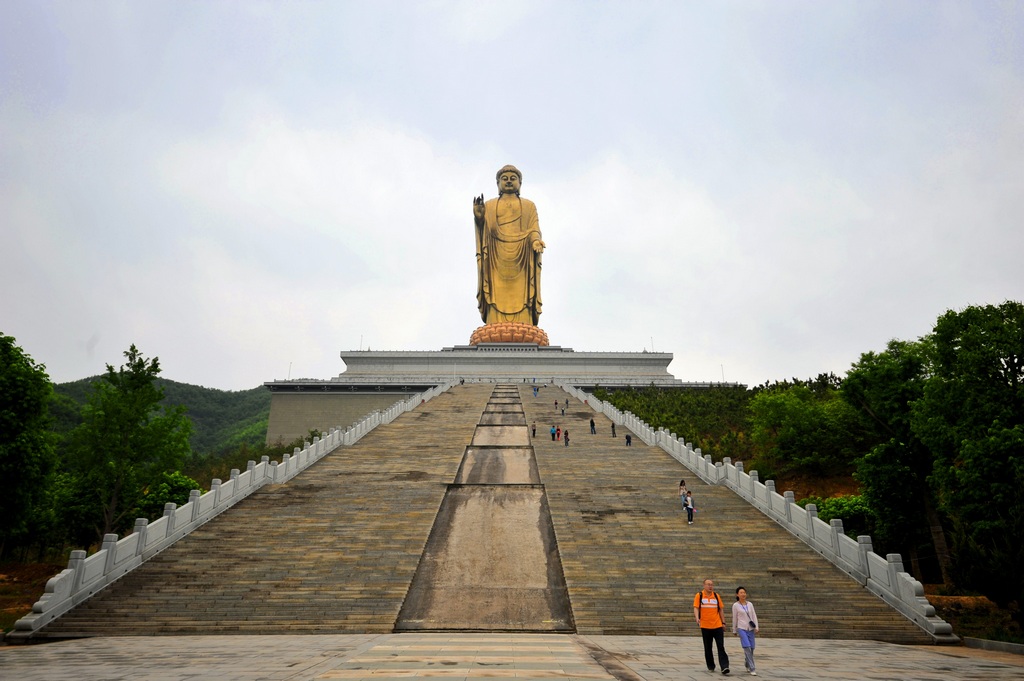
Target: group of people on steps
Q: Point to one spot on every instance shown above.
(559, 435)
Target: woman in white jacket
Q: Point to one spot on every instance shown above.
(744, 624)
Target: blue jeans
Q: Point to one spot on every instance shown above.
(748, 641)
(718, 636)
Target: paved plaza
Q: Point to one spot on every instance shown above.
(483, 656)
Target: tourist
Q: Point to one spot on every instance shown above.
(534, 429)
(744, 624)
(629, 440)
(565, 436)
(613, 429)
(593, 427)
(552, 433)
(707, 609)
(688, 505)
(682, 493)
(558, 433)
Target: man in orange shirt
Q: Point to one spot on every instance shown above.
(707, 610)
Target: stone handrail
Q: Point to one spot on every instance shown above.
(884, 577)
(86, 575)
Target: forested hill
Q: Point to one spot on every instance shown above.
(222, 419)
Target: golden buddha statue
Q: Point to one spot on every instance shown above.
(508, 254)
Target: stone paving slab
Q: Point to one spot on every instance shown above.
(485, 656)
(498, 466)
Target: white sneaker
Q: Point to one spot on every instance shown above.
(753, 673)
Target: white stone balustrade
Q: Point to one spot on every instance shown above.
(883, 577)
(86, 575)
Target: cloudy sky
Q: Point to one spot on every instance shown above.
(244, 189)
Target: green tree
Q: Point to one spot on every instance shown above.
(126, 441)
(893, 475)
(853, 510)
(26, 445)
(971, 416)
(715, 419)
(172, 488)
(798, 428)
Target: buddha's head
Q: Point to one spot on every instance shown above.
(509, 180)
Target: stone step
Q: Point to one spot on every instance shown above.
(335, 549)
(332, 550)
(633, 565)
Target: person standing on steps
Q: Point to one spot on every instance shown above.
(744, 624)
(613, 429)
(565, 436)
(534, 429)
(682, 493)
(593, 427)
(629, 440)
(552, 433)
(558, 433)
(707, 610)
(688, 505)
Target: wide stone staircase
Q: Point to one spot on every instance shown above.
(633, 565)
(331, 551)
(335, 549)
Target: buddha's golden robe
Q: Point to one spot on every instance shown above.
(508, 269)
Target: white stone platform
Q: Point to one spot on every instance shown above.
(513, 362)
(375, 379)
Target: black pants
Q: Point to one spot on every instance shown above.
(718, 636)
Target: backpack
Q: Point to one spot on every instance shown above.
(700, 604)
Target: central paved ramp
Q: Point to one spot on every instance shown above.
(491, 562)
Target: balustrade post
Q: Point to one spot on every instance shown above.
(110, 546)
(894, 564)
(169, 508)
(866, 548)
(193, 498)
(837, 529)
(75, 564)
(141, 529)
(812, 514)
